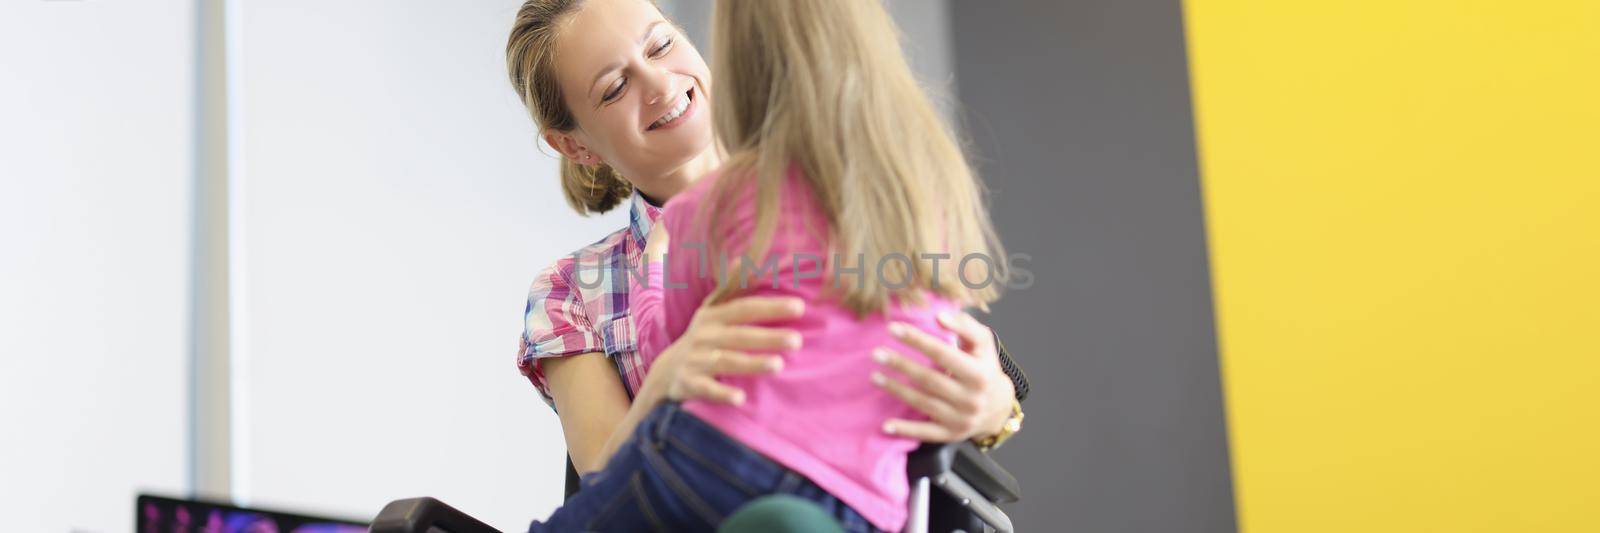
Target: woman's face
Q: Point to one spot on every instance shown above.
(637, 88)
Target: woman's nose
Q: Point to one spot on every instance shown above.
(658, 85)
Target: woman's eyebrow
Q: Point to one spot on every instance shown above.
(650, 29)
(609, 69)
(617, 65)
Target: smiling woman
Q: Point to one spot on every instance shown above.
(602, 93)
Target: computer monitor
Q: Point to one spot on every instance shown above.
(156, 514)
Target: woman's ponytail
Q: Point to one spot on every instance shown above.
(593, 189)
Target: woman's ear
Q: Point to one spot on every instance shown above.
(571, 148)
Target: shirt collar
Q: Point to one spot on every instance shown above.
(641, 215)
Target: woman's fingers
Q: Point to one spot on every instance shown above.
(750, 309)
(728, 362)
(928, 405)
(929, 380)
(962, 367)
(707, 388)
(970, 332)
(753, 338)
(919, 430)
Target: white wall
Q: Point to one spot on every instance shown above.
(395, 209)
(96, 127)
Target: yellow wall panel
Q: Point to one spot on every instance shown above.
(1403, 203)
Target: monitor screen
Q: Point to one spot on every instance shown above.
(155, 514)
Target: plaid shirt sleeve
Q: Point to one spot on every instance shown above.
(555, 324)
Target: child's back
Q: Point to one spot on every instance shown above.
(821, 415)
(838, 163)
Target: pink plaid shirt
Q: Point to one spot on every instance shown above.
(580, 305)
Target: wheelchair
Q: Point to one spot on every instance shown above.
(954, 487)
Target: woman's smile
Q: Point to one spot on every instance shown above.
(681, 111)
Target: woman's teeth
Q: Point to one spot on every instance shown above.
(677, 111)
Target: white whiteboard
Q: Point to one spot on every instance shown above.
(393, 211)
(96, 170)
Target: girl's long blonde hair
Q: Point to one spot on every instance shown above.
(823, 84)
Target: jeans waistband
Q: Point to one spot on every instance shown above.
(699, 438)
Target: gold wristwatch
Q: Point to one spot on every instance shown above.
(1011, 427)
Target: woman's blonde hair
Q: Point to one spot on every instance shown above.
(823, 84)
(530, 60)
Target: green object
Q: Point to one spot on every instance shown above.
(780, 513)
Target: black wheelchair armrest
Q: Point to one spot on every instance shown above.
(1019, 379)
(965, 461)
(426, 515)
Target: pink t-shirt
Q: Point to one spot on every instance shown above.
(821, 415)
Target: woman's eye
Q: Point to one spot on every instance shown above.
(615, 91)
(661, 49)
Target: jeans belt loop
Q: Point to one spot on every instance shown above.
(662, 426)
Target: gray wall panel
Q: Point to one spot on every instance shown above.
(1080, 116)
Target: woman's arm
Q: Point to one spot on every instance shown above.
(973, 400)
(591, 403)
(596, 415)
(720, 341)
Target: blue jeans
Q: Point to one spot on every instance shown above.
(677, 473)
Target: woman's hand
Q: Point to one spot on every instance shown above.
(720, 341)
(966, 396)
(655, 244)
